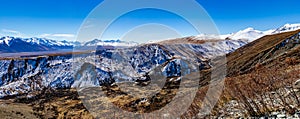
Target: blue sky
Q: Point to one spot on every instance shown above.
(61, 19)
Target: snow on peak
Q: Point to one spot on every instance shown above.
(34, 41)
(249, 34)
(287, 28)
(6, 40)
(47, 42)
(246, 34)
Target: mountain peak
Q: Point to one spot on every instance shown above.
(6, 40)
(287, 28)
(249, 34)
(249, 30)
(292, 25)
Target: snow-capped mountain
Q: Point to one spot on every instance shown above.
(12, 44)
(249, 34)
(5, 40)
(287, 28)
(98, 42)
(37, 41)
(49, 42)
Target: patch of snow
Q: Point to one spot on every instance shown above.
(6, 40)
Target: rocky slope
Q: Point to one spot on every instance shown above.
(106, 66)
(262, 80)
(112, 64)
(262, 52)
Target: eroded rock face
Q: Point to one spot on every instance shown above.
(105, 66)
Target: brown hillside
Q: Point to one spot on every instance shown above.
(245, 58)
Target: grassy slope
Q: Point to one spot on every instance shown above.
(249, 81)
(246, 57)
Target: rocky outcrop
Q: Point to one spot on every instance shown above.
(107, 65)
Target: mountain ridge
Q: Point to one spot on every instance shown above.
(10, 44)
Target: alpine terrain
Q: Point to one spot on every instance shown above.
(61, 79)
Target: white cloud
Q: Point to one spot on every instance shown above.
(64, 35)
(9, 32)
(45, 35)
(58, 36)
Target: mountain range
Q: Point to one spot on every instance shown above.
(250, 34)
(10, 44)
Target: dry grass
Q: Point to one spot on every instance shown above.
(248, 56)
(61, 104)
(10, 110)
